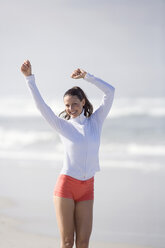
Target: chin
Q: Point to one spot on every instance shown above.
(74, 116)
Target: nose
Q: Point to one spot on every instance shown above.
(70, 108)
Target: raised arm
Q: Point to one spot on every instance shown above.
(101, 113)
(56, 122)
(108, 90)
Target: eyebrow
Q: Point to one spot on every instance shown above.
(68, 103)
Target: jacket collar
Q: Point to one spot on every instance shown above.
(79, 119)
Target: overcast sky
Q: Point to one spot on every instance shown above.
(120, 41)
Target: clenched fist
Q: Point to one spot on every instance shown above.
(78, 73)
(26, 68)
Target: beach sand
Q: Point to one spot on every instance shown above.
(11, 236)
(128, 214)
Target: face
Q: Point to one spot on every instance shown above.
(73, 105)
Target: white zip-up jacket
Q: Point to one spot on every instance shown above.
(81, 135)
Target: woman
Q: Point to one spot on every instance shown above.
(79, 130)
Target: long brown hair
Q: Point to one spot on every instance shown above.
(77, 91)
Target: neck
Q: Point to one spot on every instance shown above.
(80, 118)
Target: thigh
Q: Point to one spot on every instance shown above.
(65, 216)
(83, 219)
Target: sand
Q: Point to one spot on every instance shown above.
(12, 236)
(129, 214)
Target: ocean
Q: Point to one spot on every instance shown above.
(133, 134)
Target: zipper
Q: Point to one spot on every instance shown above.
(86, 143)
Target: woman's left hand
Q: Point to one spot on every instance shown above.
(78, 73)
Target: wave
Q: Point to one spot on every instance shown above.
(153, 107)
(57, 158)
(132, 149)
(16, 138)
(133, 164)
(21, 107)
(31, 155)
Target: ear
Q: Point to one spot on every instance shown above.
(83, 102)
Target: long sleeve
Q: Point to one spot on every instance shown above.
(57, 123)
(107, 100)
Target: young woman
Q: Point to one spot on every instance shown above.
(79, 129)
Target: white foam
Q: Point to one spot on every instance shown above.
(112, 155)
(19, 138)
(146, 150)
(154, 107)
(129, 149)
(57, 157)
(132, 164)
(30, 155)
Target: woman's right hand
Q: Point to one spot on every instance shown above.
(26, 68)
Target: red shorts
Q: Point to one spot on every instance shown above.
(72, 188)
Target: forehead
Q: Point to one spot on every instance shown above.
(70, 99)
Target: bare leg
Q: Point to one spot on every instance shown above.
(65, 218)
(83, 222)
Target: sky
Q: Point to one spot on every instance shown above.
(120, 41)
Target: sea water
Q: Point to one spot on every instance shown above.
(133, 133)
